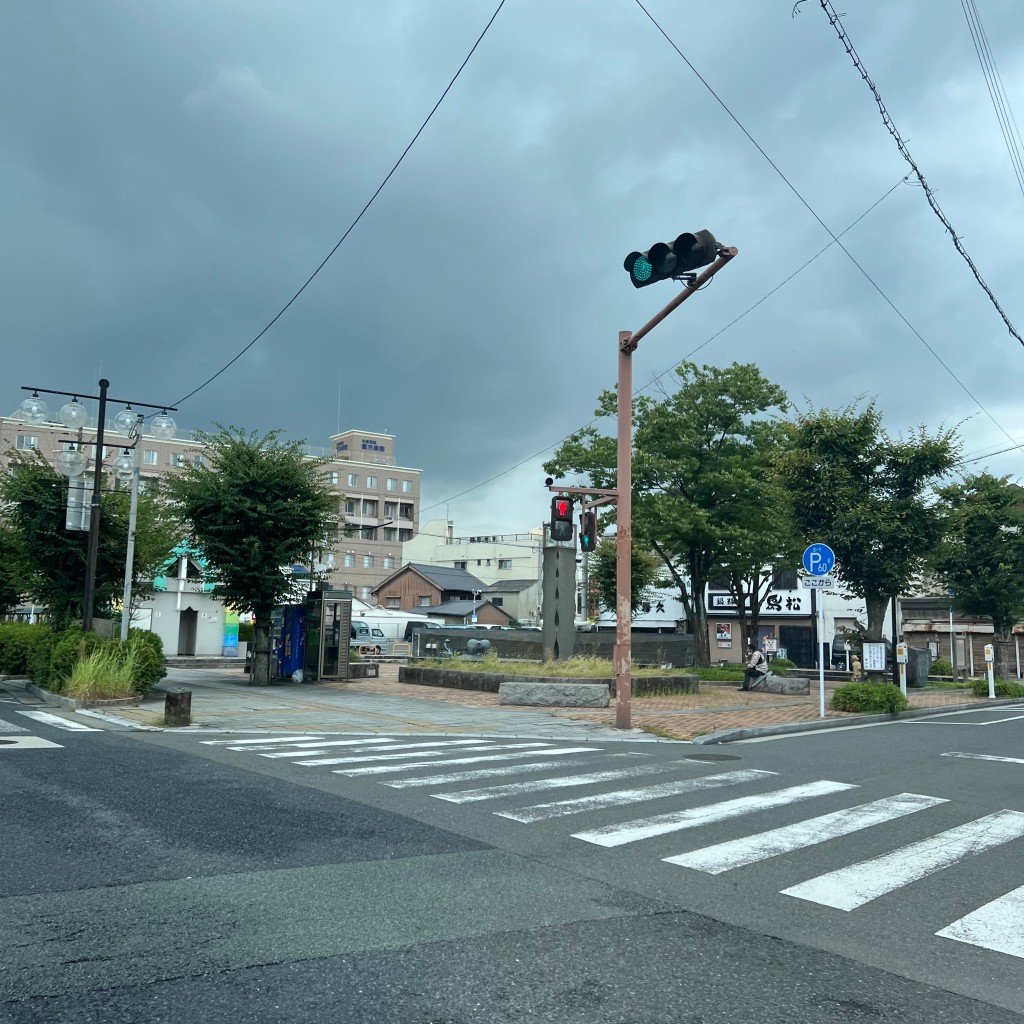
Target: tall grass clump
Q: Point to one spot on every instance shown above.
(108, 673)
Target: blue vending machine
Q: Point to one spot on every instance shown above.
(291, 642)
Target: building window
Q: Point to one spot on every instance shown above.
(368, 532)
(353, 479)
(26, 442)
(405, 511)
(350, 506)
(331, 478)
(199, 460)
(390, 483)
(504, 563)
(404, 535)
(178, 459)
(390, 533)
(497, 601)
(150, 457)
(371, 483)
(367, 561)
(369, 507)
(349, 560)
(390, 509)
(407, 487)
(423, 600)
(389, 561)
(784, 579)
(364, 593)
(461, 565)
(393, 602)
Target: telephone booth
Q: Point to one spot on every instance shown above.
(328, 632)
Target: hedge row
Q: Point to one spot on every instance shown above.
(48, 658)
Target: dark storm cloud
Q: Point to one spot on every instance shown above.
(174, 172)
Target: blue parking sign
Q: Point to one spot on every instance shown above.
(819, 559)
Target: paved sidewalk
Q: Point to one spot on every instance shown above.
(222, 699)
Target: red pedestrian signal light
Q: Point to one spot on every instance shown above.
(561, 519)
(667, 260)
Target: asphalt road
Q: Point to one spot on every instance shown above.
(181, 877)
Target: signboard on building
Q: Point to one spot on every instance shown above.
(723, 634)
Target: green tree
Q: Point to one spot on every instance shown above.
(702, 474)
(50, 560)
(10, 576)
(981, 556)
(868, 496)
(257, 507)
(602, 572)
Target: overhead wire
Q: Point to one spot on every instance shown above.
(887, 120)
(359, 216)
(874, 284)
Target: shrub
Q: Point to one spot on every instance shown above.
(869, 698)
(1004, 688)
(941, 667)
(17, 641)
(70, 646)
(39, 657)
(105, 674)
(782, 666)
(147, 650)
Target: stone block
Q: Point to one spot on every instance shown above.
(554, 694)
(789, 685)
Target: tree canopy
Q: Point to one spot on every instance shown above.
(258, 506)
(702, 474)
(868, 496)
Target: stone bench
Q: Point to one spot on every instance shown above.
(547, 694)
(789, 685)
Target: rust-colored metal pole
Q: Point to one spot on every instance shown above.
(624, 509)
(624, 538)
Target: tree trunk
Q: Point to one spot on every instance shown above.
(1004, 666)
(876, 605)
(699, 625)
(260, 674)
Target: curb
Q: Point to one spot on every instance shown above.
(820, 725)
(56, 700)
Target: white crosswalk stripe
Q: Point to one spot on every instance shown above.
(620, 797)
(407, 750)
(481, 773)
(236, 744)
(998, 925)
(311, 747)
(382, 769)
(559, 782)
(714, 860)
(449, 748)
(56, 721)
(675, 821)
(853, 886)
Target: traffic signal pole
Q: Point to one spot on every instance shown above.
(624, 506)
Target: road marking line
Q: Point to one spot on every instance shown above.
(534, 785)
(264, 739)
(481, 773)
(319, 747)
(577, 805)
(27, 743)
(428, 753)
(661, 824)
(853, 886)
(999, 721)
(380, 770)
(996, 925)
(713, 860)
(57, 722)
(984, 757)
(9, 727)
(408, 750)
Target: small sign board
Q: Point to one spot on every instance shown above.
(817, 582)
(819, 559)
(874, 657)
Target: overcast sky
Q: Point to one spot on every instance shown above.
(172, 172)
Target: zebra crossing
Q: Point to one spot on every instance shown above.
(473, 771)
(18, 737)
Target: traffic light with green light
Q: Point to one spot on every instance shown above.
(667, 260)
(561, 519)
(588, 531)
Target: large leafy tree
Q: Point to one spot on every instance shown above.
(645, 573)
(869, 496)
(981, 556)
(10, 577)
(701, 475)
(258, 506)
(50, 561)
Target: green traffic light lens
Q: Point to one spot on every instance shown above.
(642, 270)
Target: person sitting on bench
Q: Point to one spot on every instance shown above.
(757, 666)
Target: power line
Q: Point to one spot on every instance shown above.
(833, 18)
(874, 284)
(359, 217)
(996, 92)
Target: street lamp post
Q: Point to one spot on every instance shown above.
(74, 416)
